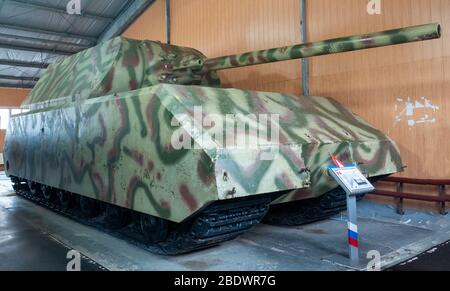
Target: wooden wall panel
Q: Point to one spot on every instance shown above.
(11, 98)
(219, 27)
(2, 139)
(370, 82)
(150, 25)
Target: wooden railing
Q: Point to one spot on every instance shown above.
(441, 197)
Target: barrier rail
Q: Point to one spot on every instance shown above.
(440, 198)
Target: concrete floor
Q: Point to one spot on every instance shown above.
(434, 259)
(34, 238)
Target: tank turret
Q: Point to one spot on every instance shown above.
(122, 64)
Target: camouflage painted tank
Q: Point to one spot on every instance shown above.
(140, 131)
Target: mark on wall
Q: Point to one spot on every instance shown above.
(415, 111)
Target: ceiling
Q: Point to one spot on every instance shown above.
(36, 33)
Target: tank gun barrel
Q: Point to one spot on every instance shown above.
(326, 47)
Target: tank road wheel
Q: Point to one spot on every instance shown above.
(34, 188)
(117, 217)
(65, 199)
(48, 193)
(154, 229)
(90, 208)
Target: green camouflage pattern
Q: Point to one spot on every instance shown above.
(122, 64)
(327, 47)
(101, 124)
(112, 150)
(116, 66)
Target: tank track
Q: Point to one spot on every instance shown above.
(310, 210)
(307, 211)
(217, 223)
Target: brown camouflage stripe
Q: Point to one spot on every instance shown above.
(327, 47)
(97, 148)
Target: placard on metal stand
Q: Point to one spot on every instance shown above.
(354, 183)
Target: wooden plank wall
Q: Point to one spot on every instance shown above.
(11, 98)
(228, 27)
(371, 82)
(150, 25)
(218, 27)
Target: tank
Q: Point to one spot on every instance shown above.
(126, 136)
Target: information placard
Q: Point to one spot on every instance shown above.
(351, 179)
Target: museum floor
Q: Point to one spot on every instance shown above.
(34, 238)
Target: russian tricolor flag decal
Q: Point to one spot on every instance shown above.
(353, 235)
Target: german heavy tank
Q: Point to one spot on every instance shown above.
(139, 138)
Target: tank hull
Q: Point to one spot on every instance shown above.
(119, 149)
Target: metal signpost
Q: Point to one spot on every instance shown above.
(354, 183)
